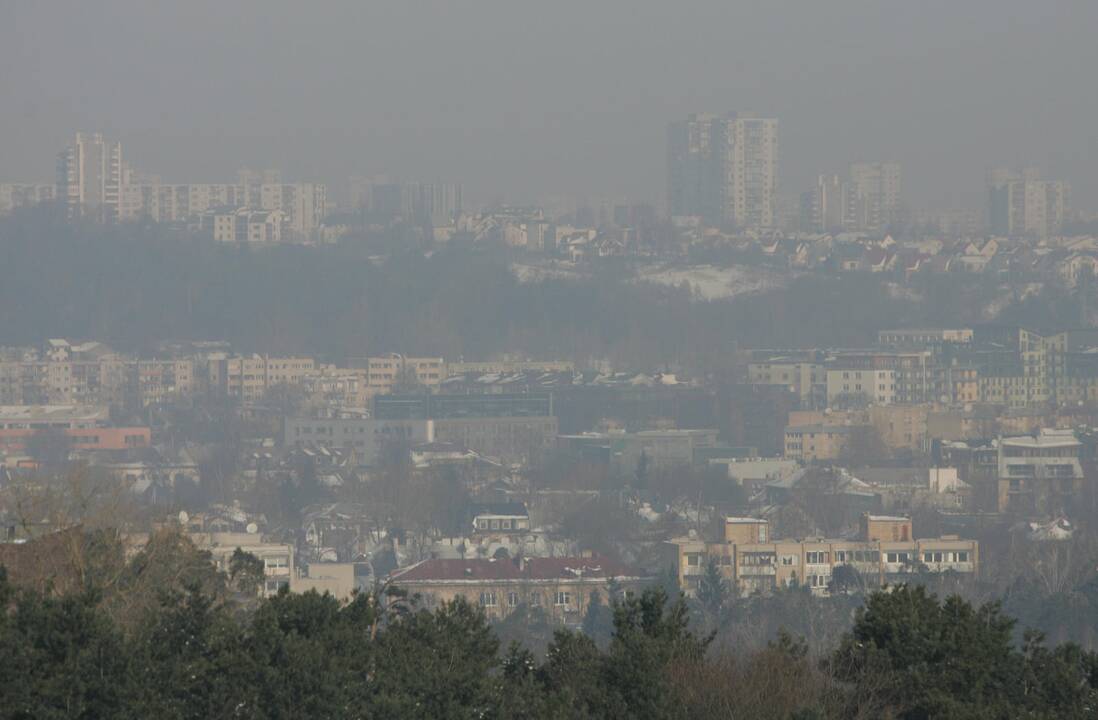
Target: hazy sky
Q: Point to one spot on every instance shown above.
(522, 99)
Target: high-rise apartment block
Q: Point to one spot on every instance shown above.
(724, 169)
(1021, 204)
(869, 201)
(90, 177)
(697, 157)
(824, 207)
(753, 167)
(874, 198)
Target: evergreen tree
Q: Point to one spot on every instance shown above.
(598, 621)
(712, 590)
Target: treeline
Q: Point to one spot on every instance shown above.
(307, 656)
(135, 285)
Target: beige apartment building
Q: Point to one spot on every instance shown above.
(503, 367)
(277, 558)
(383, 373)
(922, 337)
(109, 380)
(900, 427)
(753, 562)
(249, 377)
(814, 443)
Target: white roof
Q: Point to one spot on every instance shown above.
(31, 413)
(1046, 438)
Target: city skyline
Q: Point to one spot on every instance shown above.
(894, 83)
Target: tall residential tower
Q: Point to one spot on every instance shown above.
(724, 169)
(90, 177)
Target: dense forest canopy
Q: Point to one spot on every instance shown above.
(190, 654)
(135, 285)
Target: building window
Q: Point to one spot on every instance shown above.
(512, 599)
(535, 599)
(693, 559)
(962, 556)
(815, 558)
(789, 560)
(561, 598)
(488, 599)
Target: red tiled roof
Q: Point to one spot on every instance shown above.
(491, 570)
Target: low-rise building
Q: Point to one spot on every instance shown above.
(368, 437)
(871, 386)
(340, 580)
(249, 377)
(1040, 474)
(806, 378)
(505, 367)
(562, 587)
(388, 373)
(814, 443)
(277, 558)
(513, 427)
(495, 518)
(83, 427)
(923, 337)
(886, 551)
(625, 451)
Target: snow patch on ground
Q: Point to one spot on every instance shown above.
(902, 292)
(529, 273)
(993, 309)
(709, 282)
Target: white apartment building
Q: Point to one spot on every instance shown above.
(243, 225)
(753, 171)
(90, 177)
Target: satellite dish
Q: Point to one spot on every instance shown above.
(252, 528)
(183, 517)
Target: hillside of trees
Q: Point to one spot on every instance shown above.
(133, 286)
(194, 654)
